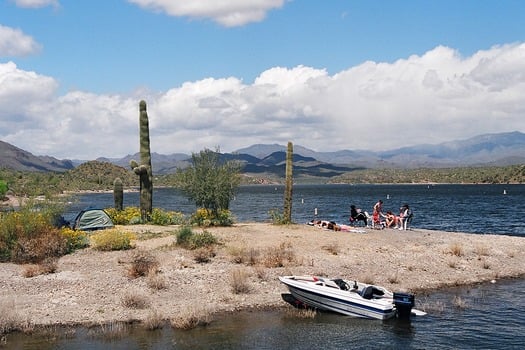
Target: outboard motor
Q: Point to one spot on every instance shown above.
(404, 303)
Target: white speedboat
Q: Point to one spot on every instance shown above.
(348, 297)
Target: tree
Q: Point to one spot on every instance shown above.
(210, 183)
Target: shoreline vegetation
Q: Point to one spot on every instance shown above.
(160, 282)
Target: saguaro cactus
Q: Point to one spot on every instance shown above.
(287, 212)
(144, 170)
(118, 194)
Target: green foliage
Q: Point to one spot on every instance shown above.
(75, 239)
(190, 240)
(210, 183)
(131, 216)
(28, 235)
(3, 188)
(124, 217)
(205, 217)
(277, 217)
(112, 239)
(184, 235)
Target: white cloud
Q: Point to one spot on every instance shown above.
(36, 3)
(13, 42)
(227, 13)
(436, 97)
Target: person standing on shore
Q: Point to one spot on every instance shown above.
(377, 213)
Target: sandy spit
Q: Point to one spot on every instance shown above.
(90, 287)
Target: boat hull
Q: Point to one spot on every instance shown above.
(340, 301)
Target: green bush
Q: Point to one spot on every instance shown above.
(28, 235)
(131, 216)
(202, 239)
(76, 239)
(184, 235)
(112, 239)
(190, 240)
(205, 217)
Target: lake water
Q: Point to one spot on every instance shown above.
(465, 208)
(488, 316)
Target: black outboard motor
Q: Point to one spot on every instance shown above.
(404, 303)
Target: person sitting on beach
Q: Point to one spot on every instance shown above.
(357, 215)
(390, 220)
(405, 215)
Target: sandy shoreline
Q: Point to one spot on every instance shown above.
(89, 286)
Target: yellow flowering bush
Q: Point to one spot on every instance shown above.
(112, 239)
(76, 239)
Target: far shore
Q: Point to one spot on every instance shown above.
(90, 287)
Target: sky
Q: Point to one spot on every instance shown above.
(324, 74)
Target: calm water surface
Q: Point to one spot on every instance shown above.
(465, 208)
(491, 316)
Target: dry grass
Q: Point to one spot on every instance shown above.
(204, 254)
(142, 263)
(394, 279)
(279, 256)
(46, 267)
(332, 248)
(109, 331)
(239, 281)
(134, 300)
(191, 318)
(482, 250)
(459, 302)
(456, 249)
(156, 281)
(300, 313)
(153, 321)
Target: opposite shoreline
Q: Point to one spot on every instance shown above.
(91, 287)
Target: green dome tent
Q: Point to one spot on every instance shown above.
(91, 219)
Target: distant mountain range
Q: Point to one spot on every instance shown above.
(490, 149)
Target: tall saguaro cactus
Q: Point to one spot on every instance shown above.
(118, 194)
(287, 212)
(144, 170)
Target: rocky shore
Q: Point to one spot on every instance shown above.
(93, 287)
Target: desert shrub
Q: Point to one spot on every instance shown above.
(203, 254)
(191, 318)
(239, 282)
(202, 239)
(75, 239)
(153, 321)
(279, 256)
(456, 249)
(142, 264)
(277, 217)
(134, 300)
(47, 266)
(112, 239)
(205, 217)
(36, 249)
(131, 216)
(163, 218)
(190, 240)
(127, 216)
(184, 235)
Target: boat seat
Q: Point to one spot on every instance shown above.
(368, 292)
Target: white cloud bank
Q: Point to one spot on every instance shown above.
(227, 13)
(436, 97)
(13, 42)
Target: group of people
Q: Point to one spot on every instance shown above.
(380, 219)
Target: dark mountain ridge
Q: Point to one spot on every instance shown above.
(498, 149)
